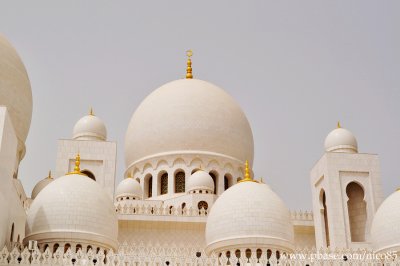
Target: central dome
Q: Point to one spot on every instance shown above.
(188, 115)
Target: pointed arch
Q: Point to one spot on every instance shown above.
(324, 216)
(357, 211)
(179, 181)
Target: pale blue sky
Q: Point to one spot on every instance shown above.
(295, 67)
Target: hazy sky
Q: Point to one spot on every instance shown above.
(295, 67)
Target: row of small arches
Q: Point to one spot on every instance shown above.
(248, 254)
(67, 246)
(179, 182)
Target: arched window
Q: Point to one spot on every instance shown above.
(66, 247)
(183, 206)
(88, 248)
(248, 254)
(227, 181)
(214, 176)
(202, 204)
(55, 247)
(148, 186)
(88, 174)
(78, 247)
(357, 209)
(324, 215)
(180, 182)
(259, 253)
(164, 183)
(12, 233)
(237, 253)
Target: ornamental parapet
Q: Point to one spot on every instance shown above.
(152, 255)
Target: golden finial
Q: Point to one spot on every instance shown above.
(129, 175)
(77, 170)
(49, 176)
(247, 174)
(338, 124)
(91, 111)
(189, 74)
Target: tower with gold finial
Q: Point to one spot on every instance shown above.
(89, 139)
(189, 74)
(338, 124)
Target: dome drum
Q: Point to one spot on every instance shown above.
(73, 237)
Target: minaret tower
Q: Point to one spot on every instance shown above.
(346, 190)
(97, 155)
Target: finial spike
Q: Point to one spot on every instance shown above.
(91, 111)
(49, 176)
(338, 124)
(189, 74)
(77, 169)
(247, 175)
(77, 164)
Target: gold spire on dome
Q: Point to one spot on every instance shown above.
(247, 173)
(49, 176)
(77, 169)
(189, 74)
(129, 175)
(91, 111)
(338, 124)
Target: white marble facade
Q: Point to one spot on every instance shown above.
(188, 195)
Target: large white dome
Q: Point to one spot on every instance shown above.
(15, 91)
(188, 115)
(90, 127)
(249, 215)
(75, 209)
(385, 229)
(341, 140)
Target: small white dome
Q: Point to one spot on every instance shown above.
(74, 209)
(129, 187)
(200, 180)
(90, 127)
(15, 92)
(341, 140)
(249, 215)
(385, 229)
(41, 185)
(188, 115)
